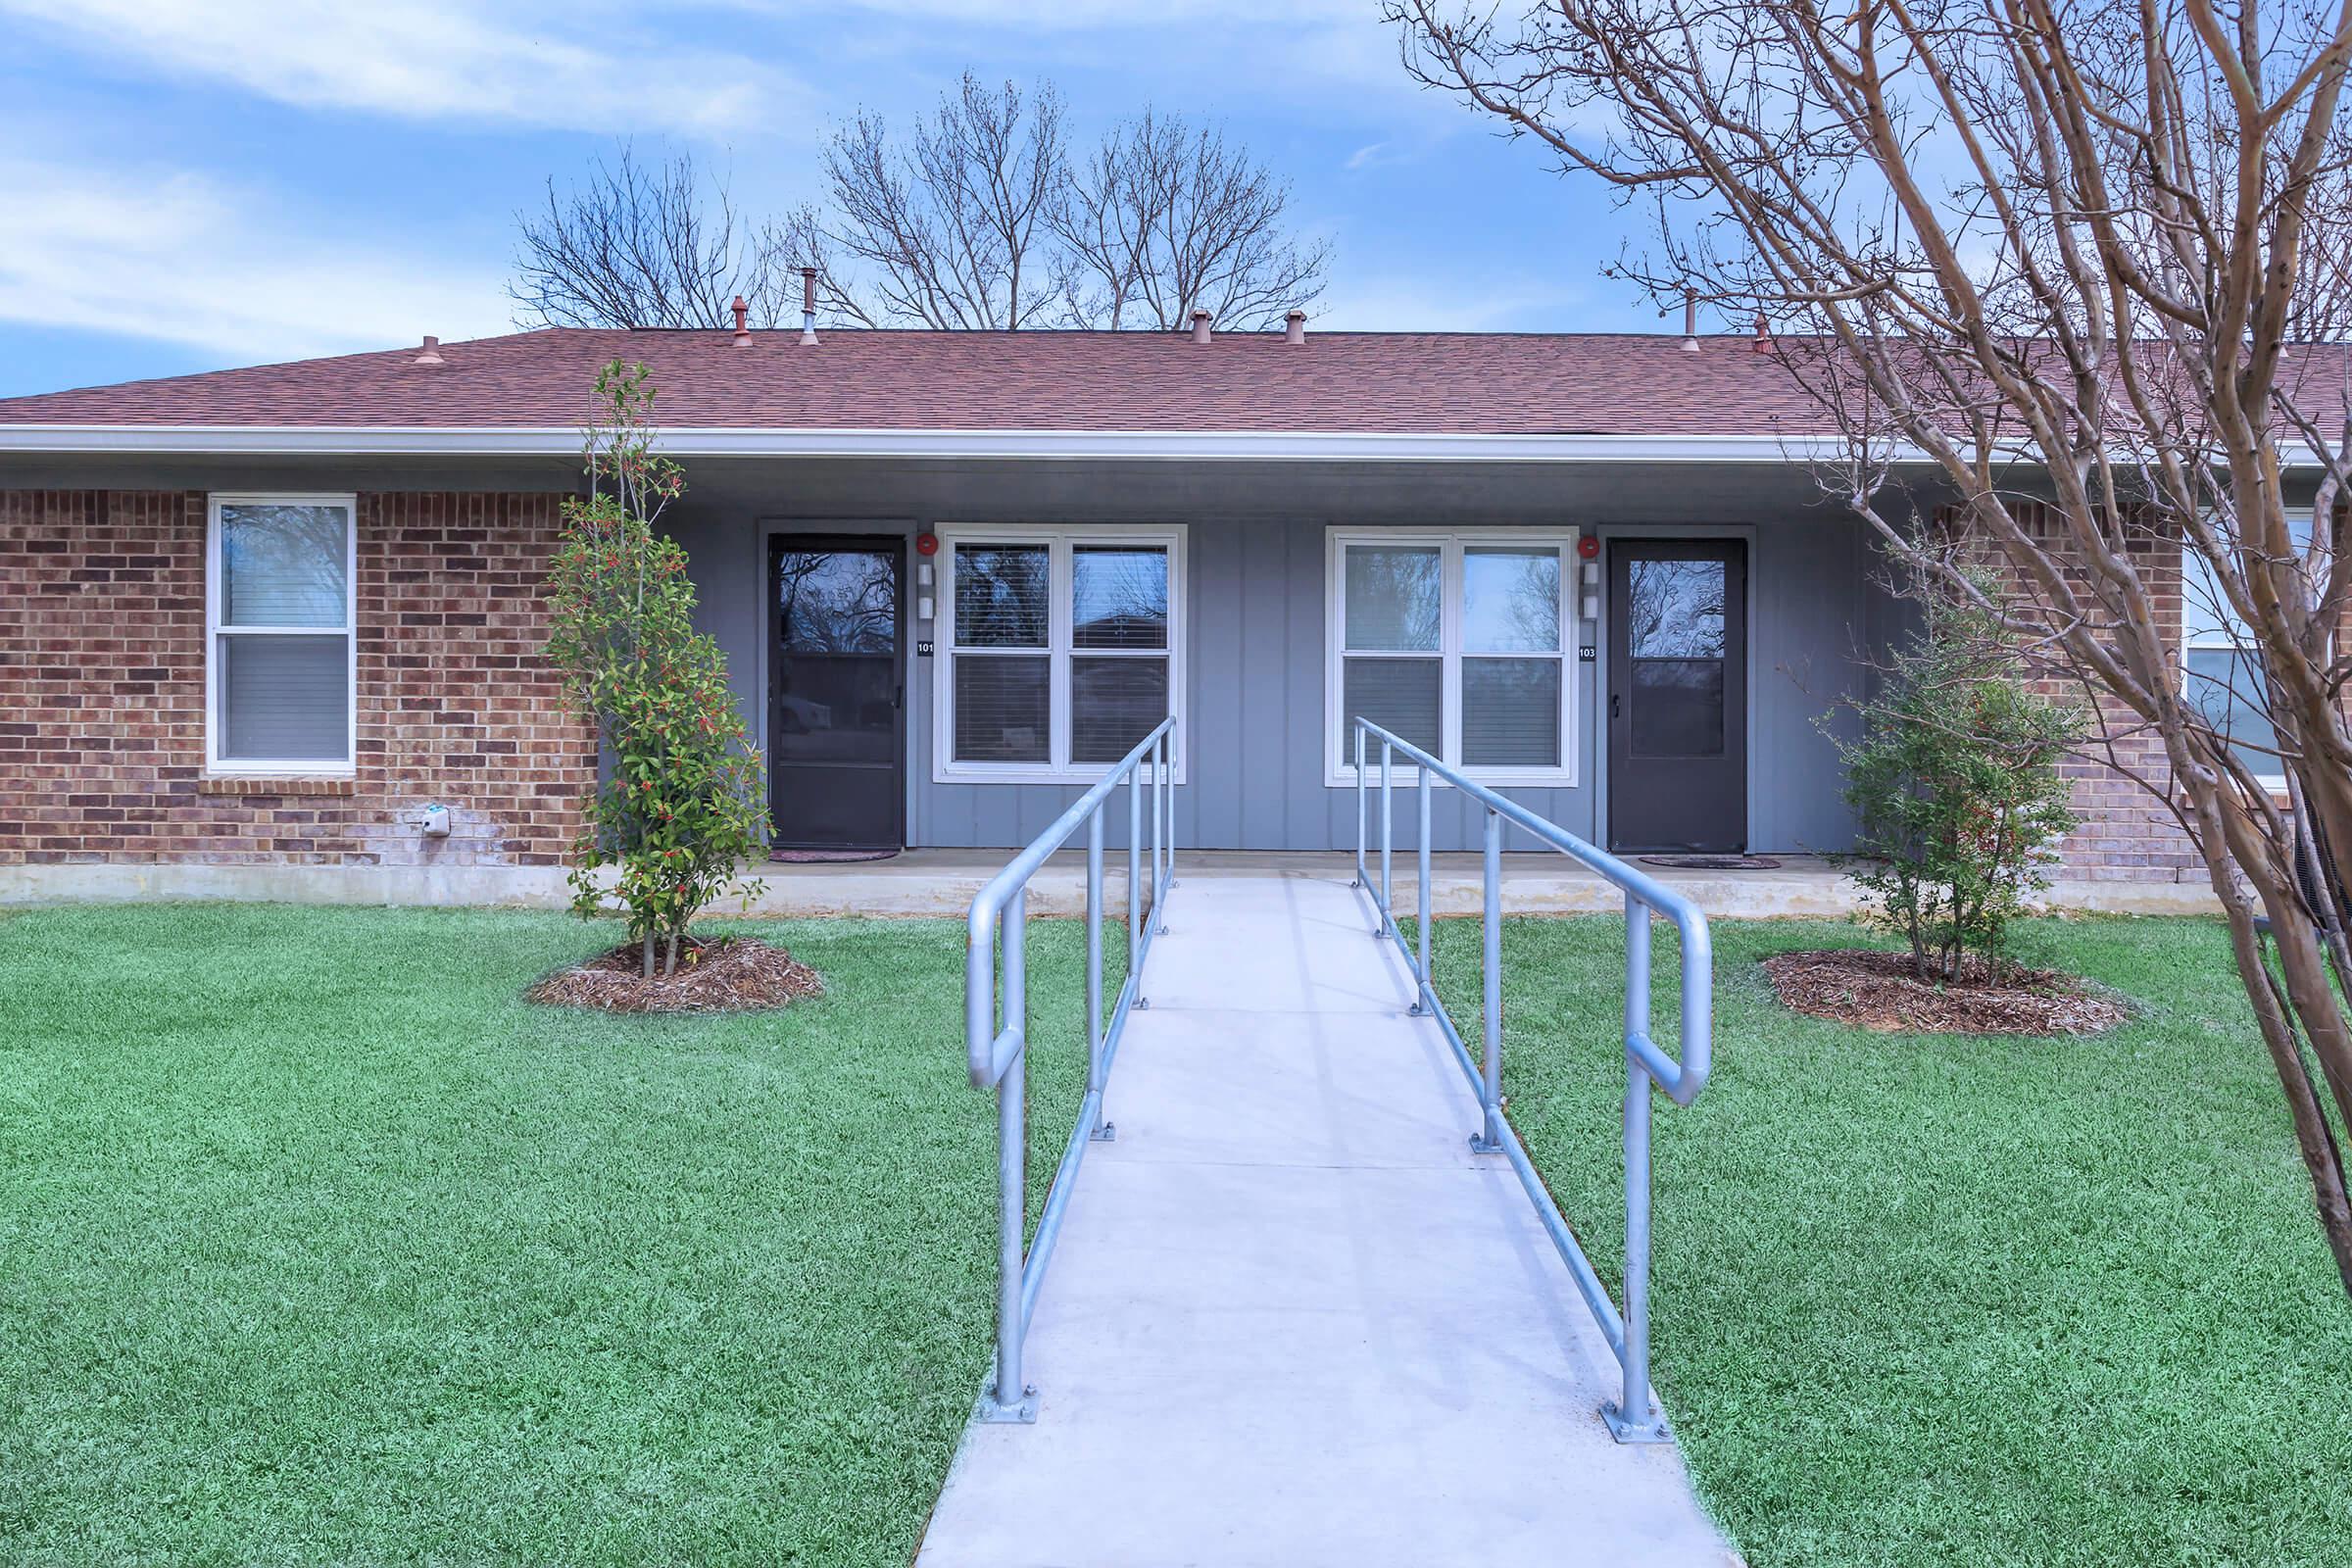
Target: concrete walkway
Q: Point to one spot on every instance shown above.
(1293, 1319)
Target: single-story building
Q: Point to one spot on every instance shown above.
(269, 617)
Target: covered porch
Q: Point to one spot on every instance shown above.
(1286, 597)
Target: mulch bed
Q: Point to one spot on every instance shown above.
(1878, 991)
(734, 974)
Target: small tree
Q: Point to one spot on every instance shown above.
(676, 807)
(1956, 790)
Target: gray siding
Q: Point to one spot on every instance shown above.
(1256, 554)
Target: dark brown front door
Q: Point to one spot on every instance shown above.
(836, 685)
(1678, 695)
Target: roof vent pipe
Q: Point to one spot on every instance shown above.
(1293, 327)
(743, 322)
(1763, 342)
(809, 306)
(432, 352)
(1200, 327)
(1690, 320)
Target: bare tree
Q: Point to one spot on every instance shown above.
(977, 221)
(1165, 218)
(638, 246)
(2071, 279)
(952, 230)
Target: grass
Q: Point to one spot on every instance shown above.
(1962, 1301)
(318, 1245)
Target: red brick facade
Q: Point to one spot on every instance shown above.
(102, 741)
(2125, 833)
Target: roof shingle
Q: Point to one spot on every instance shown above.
(1409, 383)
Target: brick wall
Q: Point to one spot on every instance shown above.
(102, 691)
(2126, 835)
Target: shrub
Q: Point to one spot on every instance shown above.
(1957, 792)
(677, 804)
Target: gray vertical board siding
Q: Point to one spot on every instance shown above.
(1256, 607)
(1812, 625)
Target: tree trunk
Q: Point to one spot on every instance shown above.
(669, 964)
(646, 970)
(2323, 1157)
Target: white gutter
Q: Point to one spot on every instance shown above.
(1064, 445)
(1215, 446)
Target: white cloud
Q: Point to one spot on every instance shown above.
(172, 255)
(572, 65)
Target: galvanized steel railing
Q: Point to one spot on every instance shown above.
(1632, 1418)
(995, 1027)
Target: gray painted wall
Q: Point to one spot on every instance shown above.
(1257, 608)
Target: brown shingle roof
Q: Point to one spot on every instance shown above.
(1339, 382)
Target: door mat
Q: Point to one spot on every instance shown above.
(1712, 862)
(827, 857)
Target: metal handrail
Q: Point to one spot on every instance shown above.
(996, 1030)
(1633, 1417)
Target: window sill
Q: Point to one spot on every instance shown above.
(1081, 776)
(1406, 775)
(274, 784)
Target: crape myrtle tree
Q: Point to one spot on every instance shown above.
(676, 807)
(2069, 280)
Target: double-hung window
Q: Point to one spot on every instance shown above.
(2221, 673)
(1458, 643)
(1063, 646)
(279, 662)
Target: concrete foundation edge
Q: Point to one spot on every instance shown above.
(820, 890)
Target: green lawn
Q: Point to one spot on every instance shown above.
(1958, 1300)
(318, 1245)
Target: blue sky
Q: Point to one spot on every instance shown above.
(211, 183)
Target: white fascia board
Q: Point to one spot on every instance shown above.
(1243, 446)
(1179, 446)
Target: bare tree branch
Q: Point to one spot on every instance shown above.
(638, 246)
(951, 228)
(1165, 218)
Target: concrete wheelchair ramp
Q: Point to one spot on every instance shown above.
(1292, 1320)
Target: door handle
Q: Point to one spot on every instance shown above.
(1615, 700)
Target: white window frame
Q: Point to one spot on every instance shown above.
(1339, 752)
(2191, 567)
(214, 629)
(1060, 541)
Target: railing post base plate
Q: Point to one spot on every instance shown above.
(1481, 1143)
(1650, 1429)
(1107, 1132)
(995, 1411)
(1142, 1003)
